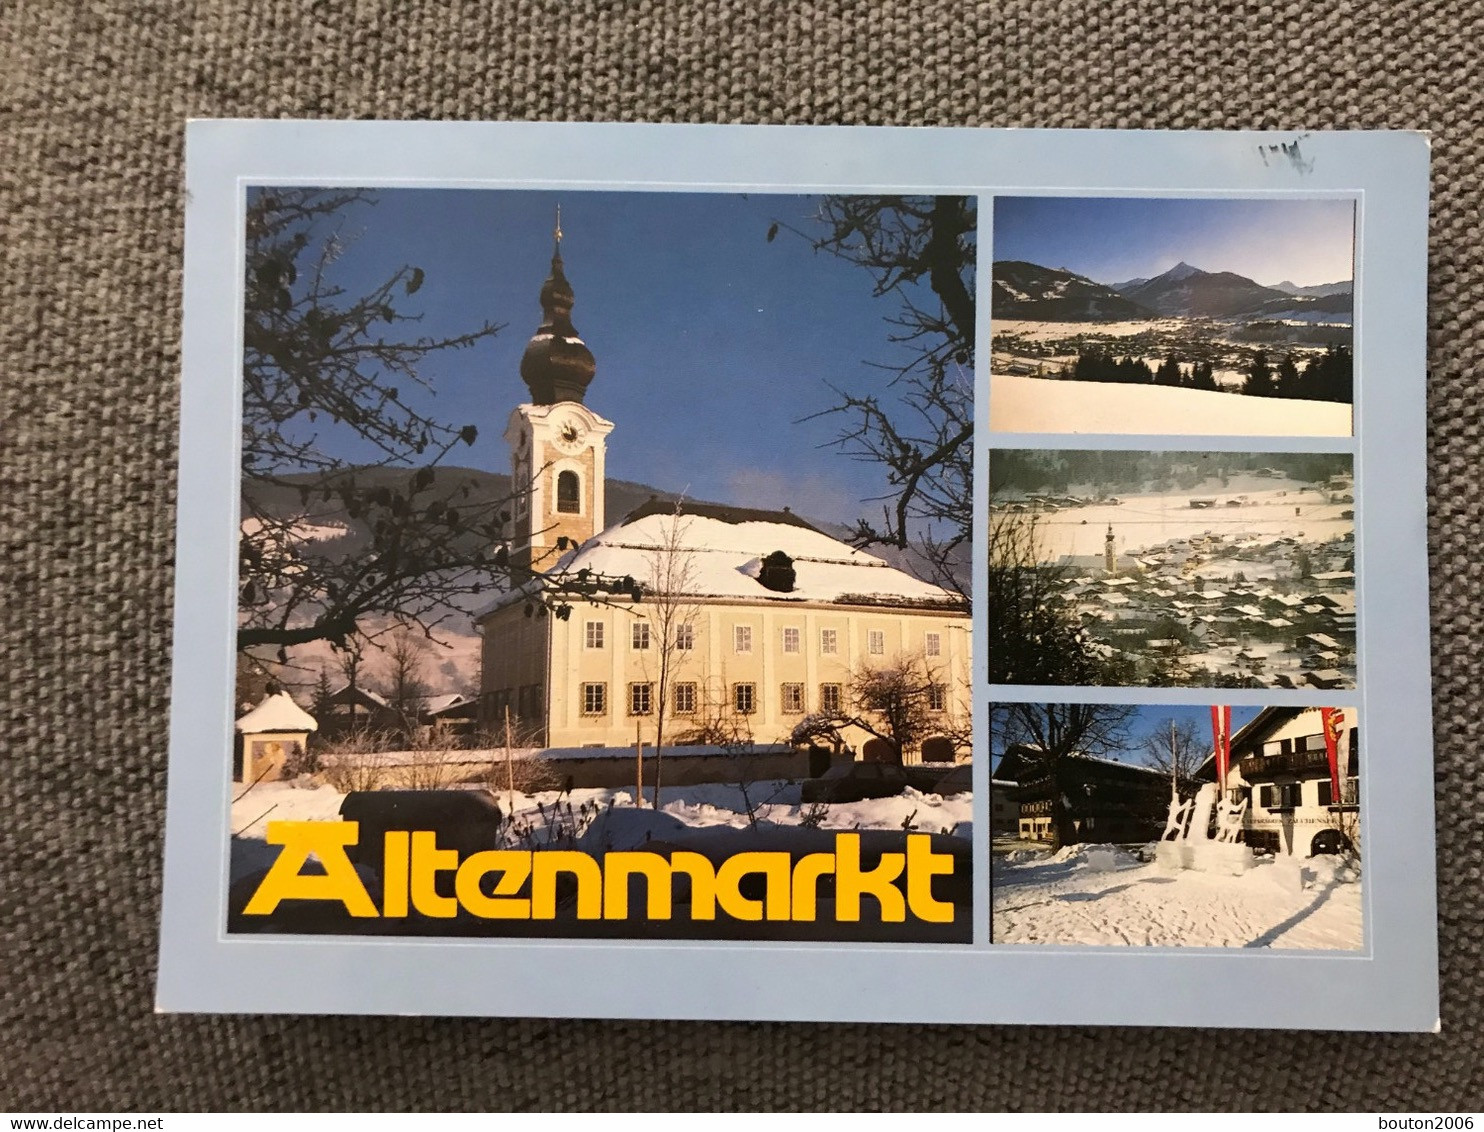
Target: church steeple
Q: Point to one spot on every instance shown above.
(557, 365)
(1110, 555)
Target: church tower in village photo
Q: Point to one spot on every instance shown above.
(779, 617)
(557, 444)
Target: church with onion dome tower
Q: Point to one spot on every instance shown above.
(779, 615)
(557, 444)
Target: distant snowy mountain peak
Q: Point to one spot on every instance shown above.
(1181, 270)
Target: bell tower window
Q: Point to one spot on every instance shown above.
(568, 493)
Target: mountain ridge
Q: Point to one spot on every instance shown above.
(1024, 290)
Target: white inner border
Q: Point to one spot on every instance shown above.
(1391, 985)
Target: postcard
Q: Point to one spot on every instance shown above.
(613, 581)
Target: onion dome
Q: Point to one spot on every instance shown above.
(557, 365)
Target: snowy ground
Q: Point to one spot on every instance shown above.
(1146, 520)
(612, 821)
(1061, 898)
(1039, 404)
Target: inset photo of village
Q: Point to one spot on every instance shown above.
(604, 566)
(1171, 569)
(1176, 825)
(1152, 315)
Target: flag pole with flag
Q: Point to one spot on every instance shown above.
(1221, 740)
(1334, 720)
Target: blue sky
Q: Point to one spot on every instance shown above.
(712, 343)
(1154, 719)
(1111, 239)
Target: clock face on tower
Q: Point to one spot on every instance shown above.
(570, 435)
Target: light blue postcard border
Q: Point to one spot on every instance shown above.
(1391, 985)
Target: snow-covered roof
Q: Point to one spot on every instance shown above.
(720, 552)
(278, 712)
(435, 704)
(367, 693)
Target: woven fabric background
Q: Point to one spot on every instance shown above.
(95, 97)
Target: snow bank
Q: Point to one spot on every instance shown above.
(1052, 900)
(1039, 404)
(1085, 854)
(615, 822)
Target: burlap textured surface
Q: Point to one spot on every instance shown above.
(95, 96)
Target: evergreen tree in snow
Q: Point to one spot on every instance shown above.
(1288, 379)
(1259, 381)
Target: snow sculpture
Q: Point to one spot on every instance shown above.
(1171, 852)
(1187, 842)
(1229, 817)
(1223, 854)
(1175, 822)
(1200, 813)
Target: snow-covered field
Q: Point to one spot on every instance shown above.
(1063, 898)
(1033, 330)
(1040, 404)
(615, 822)
(1141, 521)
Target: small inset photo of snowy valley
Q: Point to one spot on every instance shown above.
(1171, 569)
(1176, 825)
(1173, 315)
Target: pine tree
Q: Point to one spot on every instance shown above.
(1288, 379)
(1259, 377)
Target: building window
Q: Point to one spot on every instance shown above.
(641, 699)
(744, 698)
(1326, 792)
(1281, 796)
(639, 635)
(793, 699)
(595, 699)
(937, 697)
(594, 638)
(790, 640)
(569, 493)
(685, 637)
(932, 644)
(876, 642)
(742, 638)
(685, 698)
(829, 641)
(829, 698)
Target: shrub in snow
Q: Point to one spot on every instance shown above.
(300, 760)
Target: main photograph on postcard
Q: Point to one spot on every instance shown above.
(1196, 316)
(655, 629)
